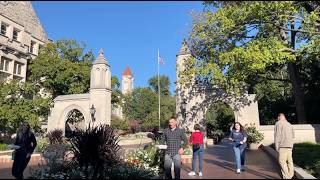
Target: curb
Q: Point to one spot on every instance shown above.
(298, 171)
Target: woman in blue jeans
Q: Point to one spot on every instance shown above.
(196, 139)
(239, 137)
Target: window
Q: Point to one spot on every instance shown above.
(4, 29)
(16, 33)
(17, 68)
(32, 47)
(40, 47)
(4, 65)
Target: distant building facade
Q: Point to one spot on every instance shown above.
(21, 38)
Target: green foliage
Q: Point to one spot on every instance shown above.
(119, 124)
(62, 68)
(116, 95)
(42, 144)
(219, 117)
(139, 103)
(20, 102)
(164, 82)
(142, 105)
(254, 136)
(246, 44)
(3, 147)
(309, 162)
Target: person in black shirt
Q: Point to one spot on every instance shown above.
(176, 142)
(27, 142)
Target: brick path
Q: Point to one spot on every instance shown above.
(219, 164)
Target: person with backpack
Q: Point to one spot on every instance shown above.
(239, 137)
(196, 139)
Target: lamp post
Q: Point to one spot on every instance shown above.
(92, 112)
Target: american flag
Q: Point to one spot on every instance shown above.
(160, 60)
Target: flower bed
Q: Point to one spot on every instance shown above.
(147, 159)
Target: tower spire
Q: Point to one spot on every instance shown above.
(101, 59)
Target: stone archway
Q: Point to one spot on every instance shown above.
(95, 105)
(195, 95)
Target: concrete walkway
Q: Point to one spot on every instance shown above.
(219, 163)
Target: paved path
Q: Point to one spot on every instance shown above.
(219, 164)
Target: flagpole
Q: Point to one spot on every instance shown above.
(159, 86)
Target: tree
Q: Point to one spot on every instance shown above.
(239, 40)
(164, 85)
(219, 116)
(62, 68)
(139, 104)
(20, 102)
(116, 95)
(142, 105)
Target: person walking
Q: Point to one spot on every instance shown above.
(176, 142)
(27, 142)
(283, 141)
(196, 139)
(239, 137)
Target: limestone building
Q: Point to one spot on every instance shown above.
(126, 87)
(21, 38)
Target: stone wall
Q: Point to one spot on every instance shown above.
(303, 133)
(23, 13)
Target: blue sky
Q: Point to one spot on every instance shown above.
(130, 33)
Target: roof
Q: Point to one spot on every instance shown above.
(23, 13)
(127, 72)
(184, 48)
(101, 59)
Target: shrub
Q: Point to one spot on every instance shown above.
(55, 136)
(134, 126)
(42, 144)
(217, 134)
(254, 136)
(130, 171)
(3, 147)
(97, 147)
(56, 166)
(119, 124)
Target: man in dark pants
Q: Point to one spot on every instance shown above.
(27, 142)
(176, 141)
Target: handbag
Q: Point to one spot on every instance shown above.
(196, 146)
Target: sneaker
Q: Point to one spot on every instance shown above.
(192, 173)
(238, 171)
(242, 168)
(200, 174)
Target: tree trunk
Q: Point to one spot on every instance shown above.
(298, 95)
(296, 83)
